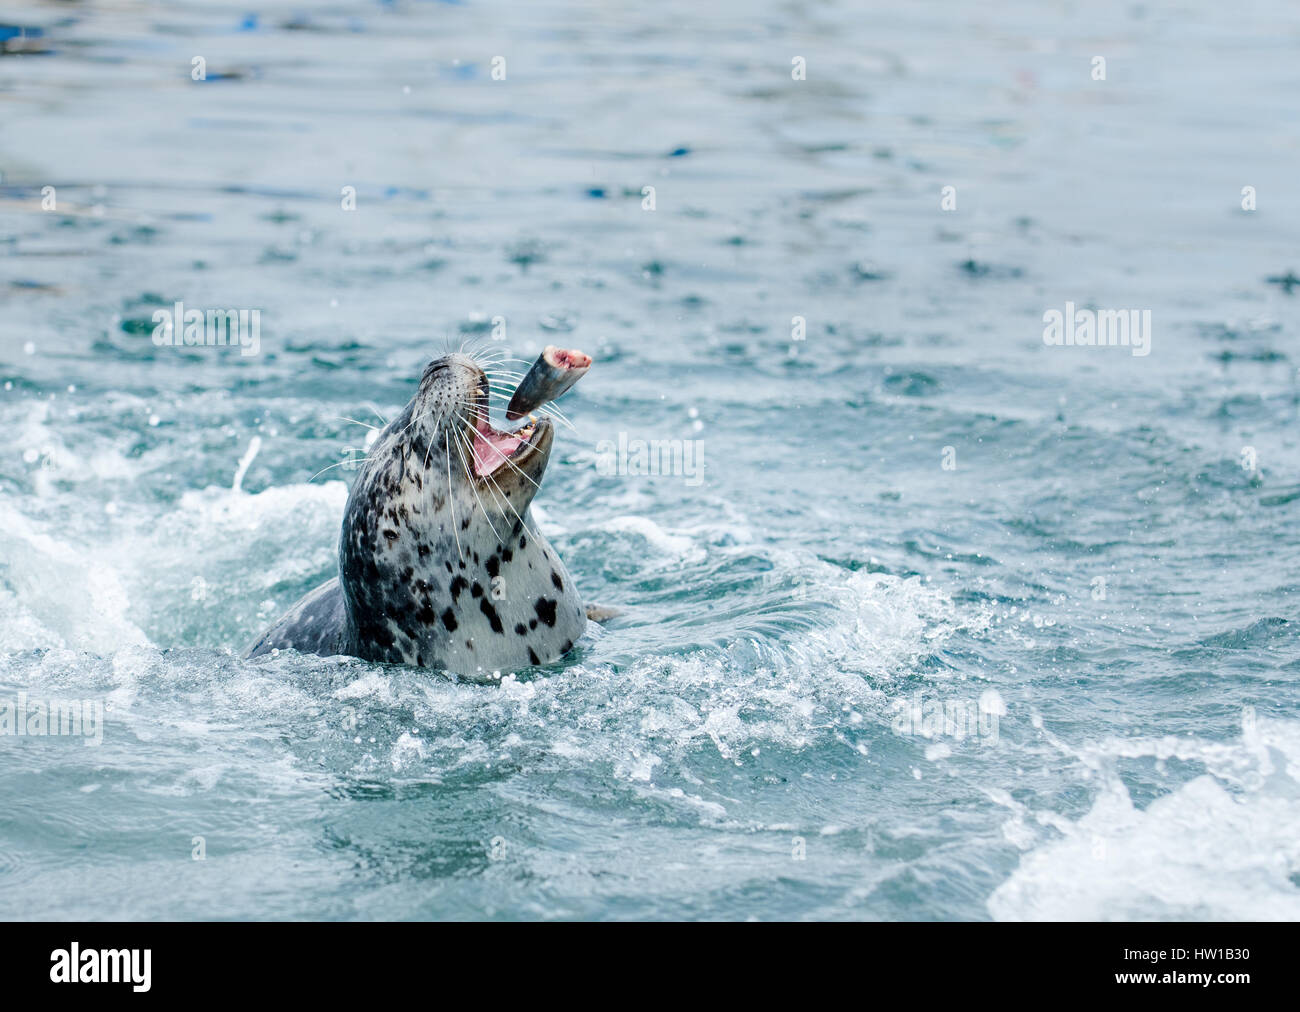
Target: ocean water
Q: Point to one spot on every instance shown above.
(954, 624)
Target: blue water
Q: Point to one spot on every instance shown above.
(919, 503)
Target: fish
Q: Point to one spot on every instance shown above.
(554, 372)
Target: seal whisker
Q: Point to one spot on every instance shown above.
(413, 421)
(425, 466)
(451, 499)
(461, 439)
(522, 523)
(494, 370)
(472, 409)
(552, 411)
(354, 421)
(339, 464)
(493, 356)
(503, 353)
(546, 409)
(480, 353)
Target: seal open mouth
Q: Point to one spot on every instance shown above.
(493, 448)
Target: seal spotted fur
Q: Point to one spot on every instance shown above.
(440, 563)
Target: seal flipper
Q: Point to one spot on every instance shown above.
(315, 625)
(595, 613)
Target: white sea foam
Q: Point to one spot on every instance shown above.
(1222, 846)
(98, 586)
(676, 546)
(61, 589)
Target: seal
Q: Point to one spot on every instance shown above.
(440, 562)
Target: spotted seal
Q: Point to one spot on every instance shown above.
(440, 562)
